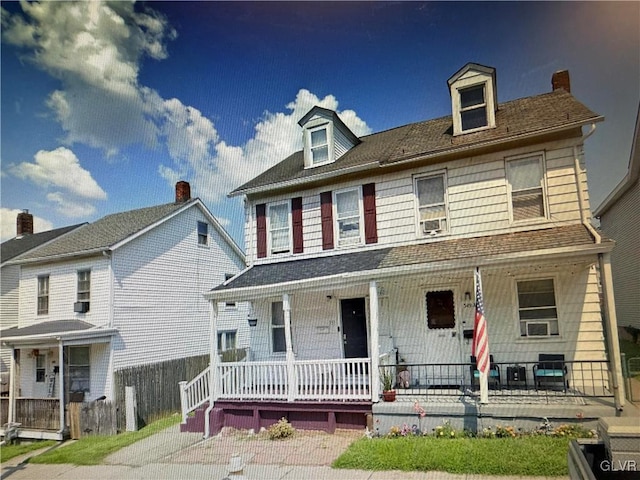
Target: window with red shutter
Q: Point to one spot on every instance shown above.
(326, 214)
(369, 204)
(261, 230)
(296, 221)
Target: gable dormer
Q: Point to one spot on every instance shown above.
(326, 138)
(474, 98)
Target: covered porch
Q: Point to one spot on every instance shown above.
(51, 366)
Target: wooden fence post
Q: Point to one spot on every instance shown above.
(131, 409)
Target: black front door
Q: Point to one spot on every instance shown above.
(354, 328)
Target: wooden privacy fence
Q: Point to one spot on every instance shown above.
(92, 418)
(156, 385)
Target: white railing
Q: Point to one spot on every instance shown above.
(253, 380)
(343, 379)
(195, 393)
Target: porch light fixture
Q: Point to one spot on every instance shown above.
(251, 316)
(253, 321)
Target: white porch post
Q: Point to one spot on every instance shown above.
(61, 384)
(213, 364)
(291, 372)
(374, 342)
(13, 382)
(611, 327)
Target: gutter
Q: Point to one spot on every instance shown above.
(61, 256)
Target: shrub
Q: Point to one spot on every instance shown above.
(447, 431)
(280, 430)
(506, 432)
(572, 431)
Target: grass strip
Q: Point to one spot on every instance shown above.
(7, 452)
(93, 449)
(535, 456)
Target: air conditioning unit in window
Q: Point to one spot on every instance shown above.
(431, 227)
(538, 329)
(81, 307)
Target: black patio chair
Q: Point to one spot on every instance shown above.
(494, 371)
(551, 368)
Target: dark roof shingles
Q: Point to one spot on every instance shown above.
(17, 246)
(45, 328)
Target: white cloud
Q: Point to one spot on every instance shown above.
(60, 169)
(8, 219)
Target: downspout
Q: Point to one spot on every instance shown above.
(213, 364)
(61, 385)
(604, 264)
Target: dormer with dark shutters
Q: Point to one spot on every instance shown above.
(473, 98)
(326, 138)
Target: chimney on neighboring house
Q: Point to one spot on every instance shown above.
(24, 223)
(560, 79)
(183, 192)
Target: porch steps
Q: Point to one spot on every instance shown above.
(326, 416)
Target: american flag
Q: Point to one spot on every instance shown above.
(480, 347)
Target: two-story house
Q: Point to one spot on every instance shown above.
(362, 253)
(124, 291)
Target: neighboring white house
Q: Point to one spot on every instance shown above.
(126, 290)
(24, 241)
(619, 216)
(362, 253)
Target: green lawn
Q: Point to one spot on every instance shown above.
(537, 455)
(93, 449)
(7, 452)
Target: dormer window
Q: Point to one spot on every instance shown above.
(473, 98)
(319, 146)
(473, 107)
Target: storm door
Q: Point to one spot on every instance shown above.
(354, 328)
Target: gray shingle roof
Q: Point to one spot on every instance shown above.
(17, 246)
(45, 328)
(376, 259)
(106, 232)
(514, 119)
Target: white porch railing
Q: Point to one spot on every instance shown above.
(194, 393)
(341, 380)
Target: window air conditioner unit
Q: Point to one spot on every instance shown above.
(431, 227)
(81, 307)
(538, 329)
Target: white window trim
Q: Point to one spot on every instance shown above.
(336, 228)
(289, 228)
(38, 295)
(207, 240)
(223, 334)
(463, 84)
(545, 199)
(516, 309)
(443, 174)
(271, 328)
(308, 155)
(483, 105)
(78, 292)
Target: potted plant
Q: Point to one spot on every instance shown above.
(386, 378)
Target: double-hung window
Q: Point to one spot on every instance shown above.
(203, 233)
(432, 204)
(348, 217)
(79, 369)
(537, 310)
(473, 107)
(41, 361)
(526, 187)
(279, 228)
(226, 340)
(84, 287)
(278, 342)
(43, 295)
(319, 145)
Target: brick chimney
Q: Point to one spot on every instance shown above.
(24, 223)
(183, 192)
(560, 79)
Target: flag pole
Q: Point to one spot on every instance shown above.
(481, 340)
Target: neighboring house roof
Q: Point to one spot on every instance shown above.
(574, 238)
(629, 179)
(515, 120)
(19, 245)
(114, 230)
(54, 330)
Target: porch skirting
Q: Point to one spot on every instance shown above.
(326, 416)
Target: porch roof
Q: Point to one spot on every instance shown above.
(55, 330)
(566, 240)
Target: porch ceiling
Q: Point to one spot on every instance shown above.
(54, 331)
(567, 241)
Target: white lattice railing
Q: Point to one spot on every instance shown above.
(194, 393)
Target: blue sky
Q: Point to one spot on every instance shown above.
(105, 106)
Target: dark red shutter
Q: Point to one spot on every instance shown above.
(261, 229)
(369, 203)
(326, 213)
(296, 220)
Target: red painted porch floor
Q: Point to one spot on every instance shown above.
(306, 448)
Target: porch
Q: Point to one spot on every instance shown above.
(37, 418)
